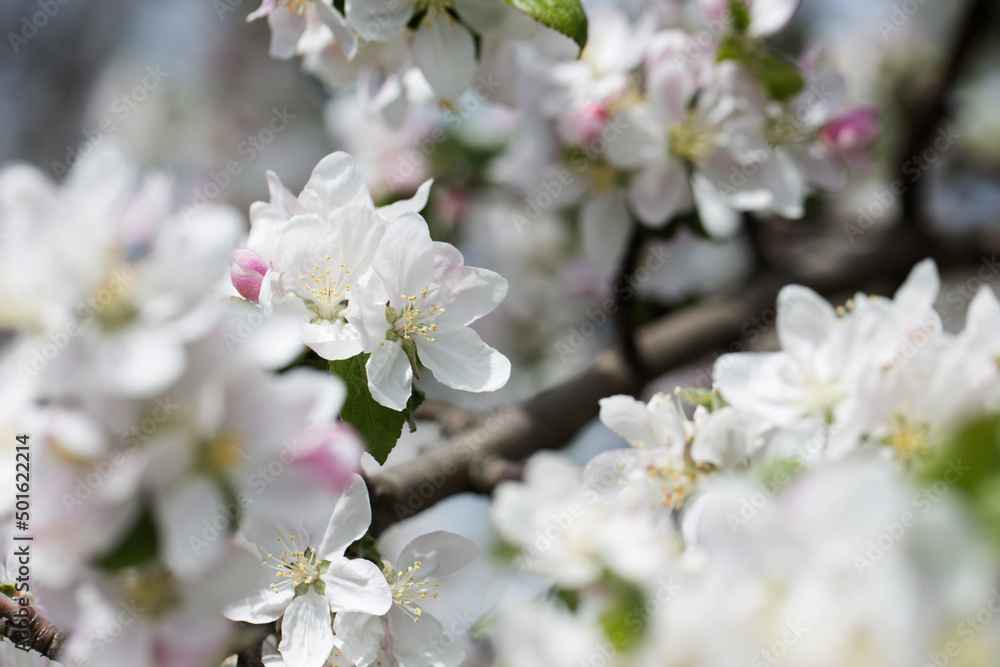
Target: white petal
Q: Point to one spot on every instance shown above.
(390, 376)
(358, 636)
(307, 631)
(441, 554)
(659, 192)
(467, 292)
(286, 28)
(349, 520)
(180, 513)
(342, 32)
(332, 340)
(919, 290)
(769, 16)
(446, 54)
(263, 606)
(357, 585)
(718, 219)
(414, 204)
(405, 257)
(334, 183)
(460, 359)
(379, 20)
(805, 320)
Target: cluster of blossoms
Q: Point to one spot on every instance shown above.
(786, 514)
(162, 441)
(397, 51)
(670, 113)
(367, 280)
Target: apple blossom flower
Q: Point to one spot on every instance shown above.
(312, 579)
(418, 305)
(305, 22)
(408, 636)
(853, 133)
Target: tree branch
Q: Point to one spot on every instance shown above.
(923, 131)
(469, 461)
(26, 627)
(625, 305)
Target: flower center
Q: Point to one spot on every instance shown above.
(911, 440)
(295, 6)
(434, 9)
(413, 318)
(298, 569)
(152, 589)
(407, 591)
(326, 289)
(691, 141)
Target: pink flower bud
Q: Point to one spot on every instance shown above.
(584, 123)
(247, 271)
(853, 133)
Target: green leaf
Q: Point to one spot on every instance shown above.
(624, 622)
(741, 15)
(139, 547)
(364, 547)
(565, 16)
(416, 400)
(976, 447)
(379, 426)
(780, 78)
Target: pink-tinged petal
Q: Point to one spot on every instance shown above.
(247, 270)
(441, 554)
(853, 133)
(286, 29)
(333, 455)
(266, 7)
(307, 631)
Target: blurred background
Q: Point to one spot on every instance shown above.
(189, 88)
